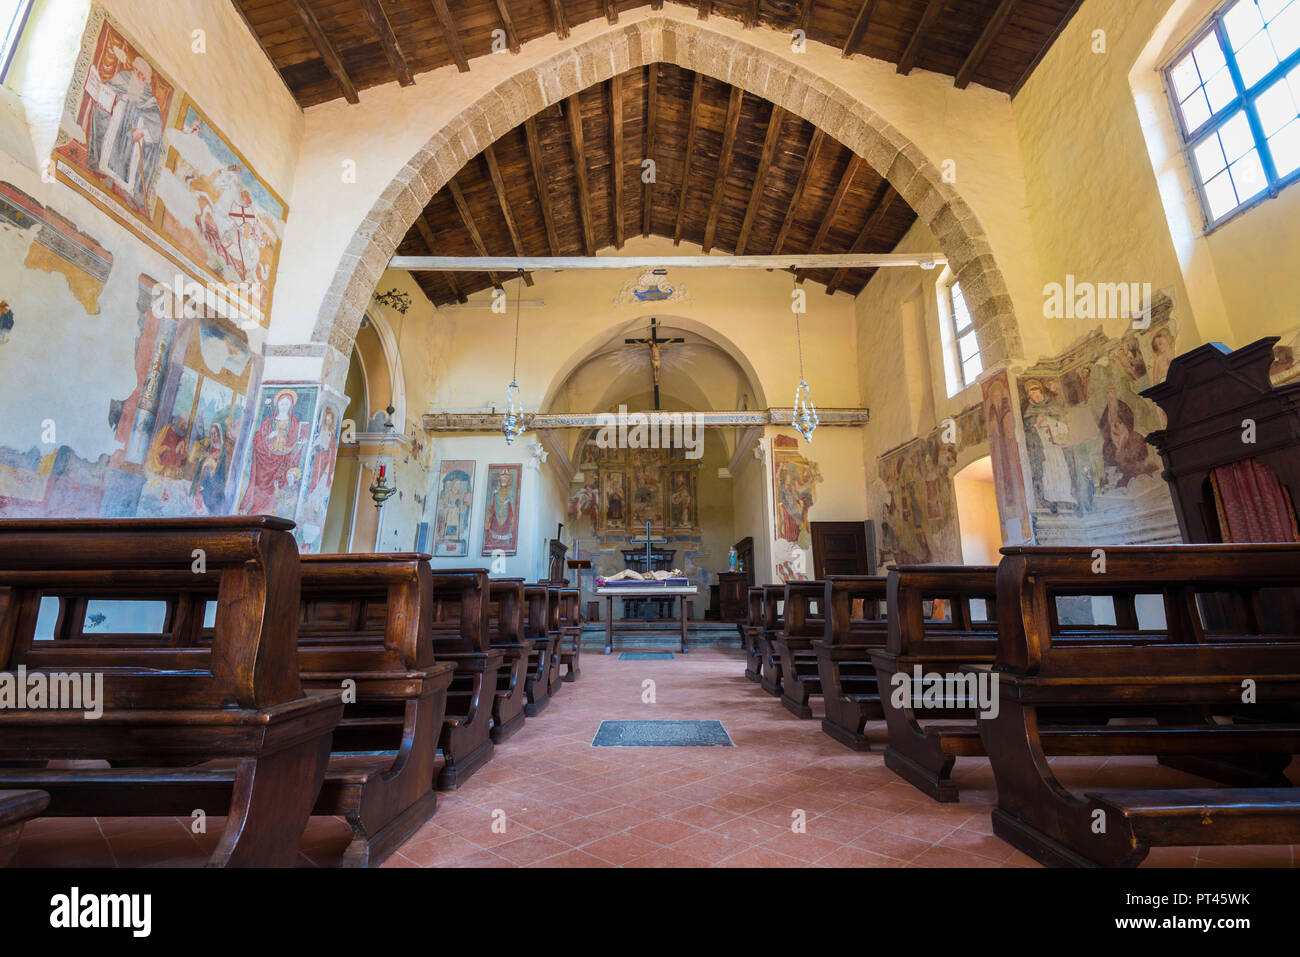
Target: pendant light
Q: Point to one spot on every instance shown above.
(805, 413)
(512, 424)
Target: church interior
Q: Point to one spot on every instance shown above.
(734, 433)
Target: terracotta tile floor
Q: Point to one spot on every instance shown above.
(567, 804)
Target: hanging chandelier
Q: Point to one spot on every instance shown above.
(512, 423)
(805, 413)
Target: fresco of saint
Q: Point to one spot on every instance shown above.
(277, 451)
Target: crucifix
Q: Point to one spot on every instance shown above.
(654, 342)
(648, 541)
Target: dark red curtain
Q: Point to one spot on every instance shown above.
(1252, 505)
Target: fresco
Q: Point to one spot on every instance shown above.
(501, 514)
(145, 153)
(278, 449)
(177, 433)
(1093, 475)
(619, 490)
(57, 246)
(455, 501)
(918, 521)
(794, 492)
(1004, 448)
(320, 477)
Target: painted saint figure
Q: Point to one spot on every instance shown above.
(125, 132)
(1049, 436)
(502, 514)
(209, 486)
(277, 450)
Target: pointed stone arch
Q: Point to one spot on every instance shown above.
(692, 45)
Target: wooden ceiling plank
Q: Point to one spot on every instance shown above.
(859, 29)
(616, 153)
(467, 219)
(724, 164)
(450, 34)
(260, 42)
(706, 7)
(1042, 52)
(805, 16)
(833, 210)
(796, 200)
(542, 184)
(880, 209)
(760, 177)
(611, 11)
(560, 19)
(498, 184)
(982, 46)
(913, 50)
(573, 110)
(692, 129)
(426, 232)
(507, 24)
(325, 48)
(751, 15)
(388, 41)
(652, 111)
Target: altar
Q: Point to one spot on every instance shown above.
(642, 590)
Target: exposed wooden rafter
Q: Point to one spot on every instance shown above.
(734, 103)
(559, 18)
(884, 202)
(507, 24)
(647, 182)
(750, 19)
(450, 34)
(833, 210)
(859, 28)
(616, 153)
(328, 54)
(913, 50)
(611, 11)
(697, 87)
(388, 41)
(706, 7)
(760, 177)
(977, 54)
(431, 243)
(796, 200)
(573, 110)
(804, 20)
(467, 220)
(542, 184)
(499, 185)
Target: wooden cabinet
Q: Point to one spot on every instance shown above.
(733, 594)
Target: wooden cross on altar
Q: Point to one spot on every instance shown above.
(654, 342)
(647, 542)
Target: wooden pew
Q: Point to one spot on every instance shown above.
(801, 625)
(1203, 678)
(16, 809)
(569, 650)
(773, 625)
(461, 635)
(543, 654)
(924, 755)
(848, 679)
(506, 622)
(749, 631)
(169, 703)
(367, 619)
(555, 634)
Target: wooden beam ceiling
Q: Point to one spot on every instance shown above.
(330, 48)
(755, 180)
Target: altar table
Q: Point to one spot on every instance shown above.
(644, 591)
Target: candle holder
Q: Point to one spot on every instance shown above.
(380, 490)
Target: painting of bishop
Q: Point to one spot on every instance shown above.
(278, 449)
(501, 523)
(114, 135)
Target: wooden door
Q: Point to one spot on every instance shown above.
(840, 548)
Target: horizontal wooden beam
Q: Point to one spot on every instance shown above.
(540, 421)
(991, 31)
(512, 264)
(327, 52)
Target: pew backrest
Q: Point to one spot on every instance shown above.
(841, 595)
(968, 593)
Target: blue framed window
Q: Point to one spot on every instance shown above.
(1235, 91)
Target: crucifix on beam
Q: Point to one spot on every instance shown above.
(649, 542)
(654, 342)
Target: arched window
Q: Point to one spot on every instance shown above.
(1236, 95)
(13, 17)
(962, 362)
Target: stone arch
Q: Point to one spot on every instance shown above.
(692, 45)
